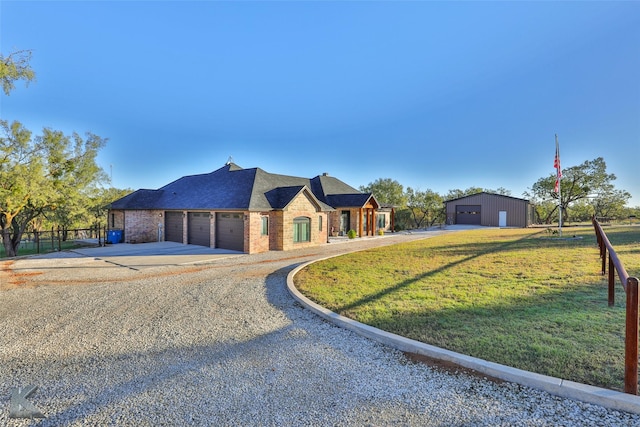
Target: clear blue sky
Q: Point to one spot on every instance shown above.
(436, 95)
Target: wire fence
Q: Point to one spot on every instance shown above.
(42, 241)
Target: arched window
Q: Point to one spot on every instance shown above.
(301, 229)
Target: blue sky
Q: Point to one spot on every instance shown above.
(436, 95)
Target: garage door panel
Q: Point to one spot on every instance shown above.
(230, 231)
(468, 214)
(199, 228)
(173, 227)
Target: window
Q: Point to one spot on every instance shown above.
(301, 229)
(265, 226)
(320, 223)
(382, 220)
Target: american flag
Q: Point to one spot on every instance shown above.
(556, 164)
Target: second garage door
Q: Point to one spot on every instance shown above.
(199, 227)
(230, 231)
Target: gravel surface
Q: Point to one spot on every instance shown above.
(224, 344)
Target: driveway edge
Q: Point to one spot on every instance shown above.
(600, 396)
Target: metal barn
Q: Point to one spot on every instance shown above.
(491, 210)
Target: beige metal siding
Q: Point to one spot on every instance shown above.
(491, 205)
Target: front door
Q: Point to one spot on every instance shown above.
(345, 221)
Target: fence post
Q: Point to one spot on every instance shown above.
(612, 282)
(631, 338)
(36, 236)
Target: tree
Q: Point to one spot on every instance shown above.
(426, 207)
(41, 175)
(387, 191)
(588, 181)
(457, 193)
(15, 67)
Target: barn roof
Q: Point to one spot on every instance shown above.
(485, 193)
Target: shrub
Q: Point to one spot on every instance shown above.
(352, 234)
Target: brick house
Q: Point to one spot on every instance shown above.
(248, 210)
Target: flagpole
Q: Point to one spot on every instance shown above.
(559, 178)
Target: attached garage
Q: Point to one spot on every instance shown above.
(491, 210)
(173, 227)
(199, 228)
(468, 214)
(230, 231)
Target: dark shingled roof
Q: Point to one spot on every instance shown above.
(280, 197)
(234, 188)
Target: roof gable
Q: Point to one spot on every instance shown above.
(281, 197)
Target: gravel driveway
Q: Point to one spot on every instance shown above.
(224, 344)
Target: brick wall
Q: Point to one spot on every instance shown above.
(115, 220)
(142, 226)
(303, 206)
(258, 241)
(276, 229)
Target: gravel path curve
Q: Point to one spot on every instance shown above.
(224, 344)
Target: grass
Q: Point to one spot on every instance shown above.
(30, 248)
(513, 296)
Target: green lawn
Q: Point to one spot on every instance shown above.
(30, 248)
(513, 296)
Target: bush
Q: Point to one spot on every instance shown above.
(352, 234)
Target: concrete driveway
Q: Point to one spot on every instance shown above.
(145, 255)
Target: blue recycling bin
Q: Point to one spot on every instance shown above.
(114, 236)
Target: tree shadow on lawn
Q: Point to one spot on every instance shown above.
(568, 333)
(474, 251)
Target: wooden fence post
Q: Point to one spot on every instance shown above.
(631, 338)
(612, 282)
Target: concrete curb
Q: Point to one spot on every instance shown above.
(607, 398)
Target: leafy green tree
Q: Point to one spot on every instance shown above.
(426, 207)
(99, 202)
(457, 193)
(39, 175)
(588, 181)
(14, 67)
(387, 191)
